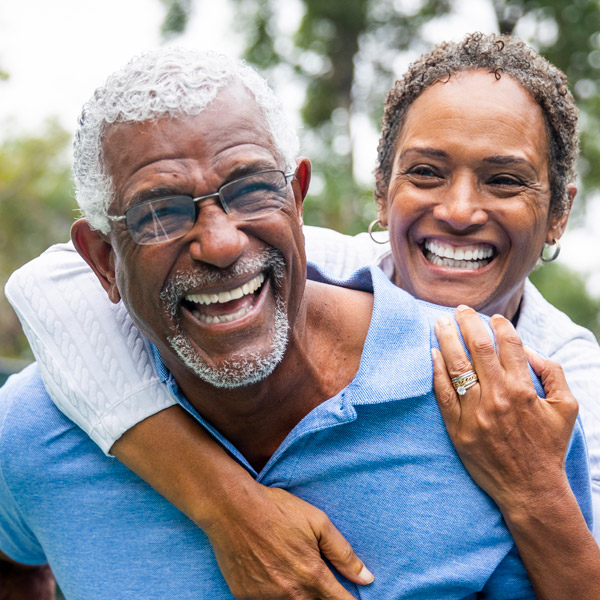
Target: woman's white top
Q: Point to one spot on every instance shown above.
(99, 370)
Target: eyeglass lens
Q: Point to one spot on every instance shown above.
(163, 219)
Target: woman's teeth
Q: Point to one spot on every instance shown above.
(247, 289)
(473, 257)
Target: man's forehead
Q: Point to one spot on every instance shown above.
(232, 119)
(232, 102)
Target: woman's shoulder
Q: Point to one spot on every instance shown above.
(550, 331)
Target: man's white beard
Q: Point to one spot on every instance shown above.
(244, 368)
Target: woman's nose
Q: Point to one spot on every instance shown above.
(461, 205)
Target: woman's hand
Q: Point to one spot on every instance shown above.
(274, 548)
(512, 442)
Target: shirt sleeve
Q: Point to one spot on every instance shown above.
(17, 540)
(96, 366)
(547, 329)
(580, 359)
(341, 255)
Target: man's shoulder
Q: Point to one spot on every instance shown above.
(20, 391)
(29, 420)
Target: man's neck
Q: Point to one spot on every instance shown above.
(322, 356)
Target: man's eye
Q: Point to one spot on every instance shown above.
(256, 187)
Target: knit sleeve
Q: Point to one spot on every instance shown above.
(95, 364)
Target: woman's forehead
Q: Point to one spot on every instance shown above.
(475, 108)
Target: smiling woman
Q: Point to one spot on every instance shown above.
(475, 176)
(468, 202)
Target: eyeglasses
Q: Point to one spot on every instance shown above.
(171, 217)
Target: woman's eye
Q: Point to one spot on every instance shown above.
(423, 171)
(506, 180)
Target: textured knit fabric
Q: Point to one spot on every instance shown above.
(98, 369)
(376, 458)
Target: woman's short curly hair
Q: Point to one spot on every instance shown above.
(499, 54)
(169, 82)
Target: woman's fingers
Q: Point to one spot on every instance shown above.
(554, 382)
(444, 392)
(509, 347)
(340, 554)
(479, 344)
(452, 350)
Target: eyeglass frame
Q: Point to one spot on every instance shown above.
(217, 194)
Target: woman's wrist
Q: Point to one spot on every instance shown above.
(204, 486)
(542, 512)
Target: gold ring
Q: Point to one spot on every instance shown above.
(464, 381)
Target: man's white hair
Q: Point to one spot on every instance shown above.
(170, 81)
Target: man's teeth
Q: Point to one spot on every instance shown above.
(221, 318)
(244, 290)
(458, 257)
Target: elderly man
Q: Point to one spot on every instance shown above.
(187, 175)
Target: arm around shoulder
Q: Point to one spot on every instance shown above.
(95, 364)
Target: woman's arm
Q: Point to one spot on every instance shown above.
(100, 373)
(268, 543)
(514, 443)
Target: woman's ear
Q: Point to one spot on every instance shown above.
(382, 213)
(559, 224)
(97, 252)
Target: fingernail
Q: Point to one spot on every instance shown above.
(462, 307)
(366, 576)
(444, 321)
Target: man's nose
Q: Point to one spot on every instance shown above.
(216, 238)
(461, 205)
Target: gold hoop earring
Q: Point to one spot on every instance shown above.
(370, 231)
(556, 245)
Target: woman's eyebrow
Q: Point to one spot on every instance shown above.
(501, 159)
(427, 151)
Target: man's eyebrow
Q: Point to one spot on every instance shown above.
(149, 194)
(241, 170)
(432, 152)
(502, 159)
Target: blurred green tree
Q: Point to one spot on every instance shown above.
(344, 52)
(567, 34)
(36, 210)
(343, 55)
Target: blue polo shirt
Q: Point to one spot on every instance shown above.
(376, 458)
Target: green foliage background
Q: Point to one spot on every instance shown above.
(36, 210)
(342, 54)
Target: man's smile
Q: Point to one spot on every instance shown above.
(225, 306)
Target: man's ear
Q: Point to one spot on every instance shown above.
(559, 224)
(301, 182)
(97, 252)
